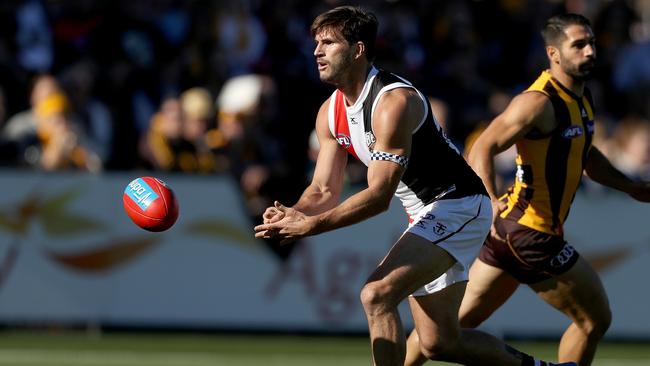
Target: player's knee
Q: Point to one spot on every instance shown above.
(598, 324)
(376, 297)
(439, 347)
(373, 296)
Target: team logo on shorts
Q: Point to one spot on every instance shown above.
(424, 221)
(439, 228)
(563, 257)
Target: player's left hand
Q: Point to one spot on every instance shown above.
(272, 214)
(293, 225)
(641, 191)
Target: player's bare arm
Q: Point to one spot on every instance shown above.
(600, 170)
(525, 112)
(396, 115)
(325, 189)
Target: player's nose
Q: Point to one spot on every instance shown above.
(318, 50)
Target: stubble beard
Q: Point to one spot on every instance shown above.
(579, 72)
(336, 71)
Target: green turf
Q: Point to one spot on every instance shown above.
(59, 348)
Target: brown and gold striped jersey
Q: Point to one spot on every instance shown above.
(549, 166)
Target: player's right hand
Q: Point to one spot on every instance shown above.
(497, 207)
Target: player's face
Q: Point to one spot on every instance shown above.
(578, 52)
(333, 56)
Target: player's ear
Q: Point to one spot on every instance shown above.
(553, 54)
(360, 49)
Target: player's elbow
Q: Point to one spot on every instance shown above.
(381, 201)
(479, 155)
(384, 205)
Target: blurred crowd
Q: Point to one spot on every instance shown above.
(230, 87)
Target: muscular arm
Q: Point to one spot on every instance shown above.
(600, 170)
(395, 117)
(525, 112)
(325, 189)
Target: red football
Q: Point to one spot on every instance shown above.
(150, 203)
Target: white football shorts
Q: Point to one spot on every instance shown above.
(458, 226)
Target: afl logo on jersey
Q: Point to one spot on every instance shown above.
(572, 132)
(343, 140)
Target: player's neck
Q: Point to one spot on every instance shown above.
(569, 82)
(354, 82)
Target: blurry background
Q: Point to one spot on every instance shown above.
(219, 99)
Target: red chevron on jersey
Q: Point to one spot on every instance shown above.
(341, 127)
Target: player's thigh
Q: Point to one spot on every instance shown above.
(488, 288)
(436, 315)
(410, 264)
(578, 293)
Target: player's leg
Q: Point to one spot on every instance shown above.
(414, 355)
(441, 338)
(411, 263)
(488, 288)
(580, 295)
(435, 306)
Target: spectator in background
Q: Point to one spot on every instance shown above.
(56, 142)
(240, 40)
(248, 150)
(198, 118)
(33, 37)
(92, 113)
(246, 109)
(177, 138)
(61, 143)
(47, 135)
(24, 123)
(163, 144)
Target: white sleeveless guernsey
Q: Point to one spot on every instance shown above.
(435, 171)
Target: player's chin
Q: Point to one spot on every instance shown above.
(585, 71)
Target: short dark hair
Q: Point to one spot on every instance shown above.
(554, 30)
(353, 23)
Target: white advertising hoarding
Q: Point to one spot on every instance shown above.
(69, 254)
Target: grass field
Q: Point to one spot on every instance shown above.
(138, 349)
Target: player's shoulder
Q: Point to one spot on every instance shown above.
(533, 103)
(401, 96)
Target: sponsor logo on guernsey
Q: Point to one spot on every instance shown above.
(584, 113)
(590, 127)
(353, 120)
(141, 193)
(572, 131)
